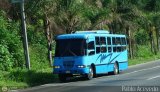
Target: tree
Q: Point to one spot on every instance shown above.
(124, 16)
(151, 12)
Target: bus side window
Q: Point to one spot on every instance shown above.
(103, 44)
(103, 40)
(91, 48)
(109, 44)
(109, 49)
(97, 40)
(103, 50)
(114, 49)
(113, 41)
(123, 41)
(118, 41)
(119, 49)
(98, 44)
(123, 44)
(98, 50)
(108, 40)
(91, 45)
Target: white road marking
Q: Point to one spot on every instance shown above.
(153, 77)
(143, 70)
(58, 84)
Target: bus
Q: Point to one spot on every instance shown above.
(88, 53)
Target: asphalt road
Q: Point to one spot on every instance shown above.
(140, 78)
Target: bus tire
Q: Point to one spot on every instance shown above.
(90, 74)
(94, 71)
(62, 77)
(116, 69)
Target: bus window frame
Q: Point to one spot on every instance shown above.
(91, 51)
(109, 44)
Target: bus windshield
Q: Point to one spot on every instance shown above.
(70, 47)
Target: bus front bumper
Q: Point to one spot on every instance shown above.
(71, 71)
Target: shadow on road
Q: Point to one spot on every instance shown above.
(34, 78)
(75, 79)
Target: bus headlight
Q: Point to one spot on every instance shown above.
(81, 66)
(56, 66)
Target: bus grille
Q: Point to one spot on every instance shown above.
(68, 64)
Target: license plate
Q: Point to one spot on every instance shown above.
(68, 72)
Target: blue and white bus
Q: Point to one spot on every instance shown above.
(89, 53)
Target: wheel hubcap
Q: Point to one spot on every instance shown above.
(90, 75)
(116, 70)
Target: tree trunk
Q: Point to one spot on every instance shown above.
(150, 37)
(153, 38)
(157, 38)
(151, 42)
(158, 41)
(134, 47)
(49, 37)
(129, 42)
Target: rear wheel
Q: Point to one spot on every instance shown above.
(116, 69)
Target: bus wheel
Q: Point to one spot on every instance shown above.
(62, 77)
(90, 74)
(116, 69)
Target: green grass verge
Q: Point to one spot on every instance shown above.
(140, 60)
(19, 79)
(13, 85)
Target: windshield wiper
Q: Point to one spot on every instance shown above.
(72, 52)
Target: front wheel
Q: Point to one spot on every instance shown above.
(90, 74)
(62, 77)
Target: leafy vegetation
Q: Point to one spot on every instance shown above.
(11, 51)
(138, 19)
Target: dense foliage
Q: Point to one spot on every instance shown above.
(11, 50)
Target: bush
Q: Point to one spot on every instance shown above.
(38, 57)
(11, 54)
(5, 59)
(36, 35)
(32, 77)
(144, 51)
(142, 37)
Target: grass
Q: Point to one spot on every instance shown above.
(141, 60)
(18, 79)
(13, 84)
(143, 55)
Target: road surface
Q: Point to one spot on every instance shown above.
(140, 78)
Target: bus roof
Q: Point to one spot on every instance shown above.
(93, 32)
(86, 34)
